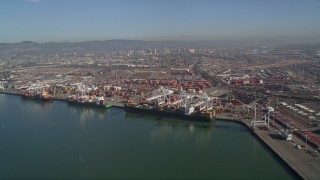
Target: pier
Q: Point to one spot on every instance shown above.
(304, 164)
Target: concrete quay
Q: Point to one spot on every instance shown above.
(304, 164)
(9, 91)
(114, 103)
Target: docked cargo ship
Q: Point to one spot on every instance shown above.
(44, 95)
(28, 95)
(98, 102)
(146, 109)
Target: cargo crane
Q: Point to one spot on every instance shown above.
(204, 102)
(81, 92)
(162, 95)
(82, 89)
(35, 88)
(30, 85)
(38, 84)
(2, 85)
(265, 118)
(25, 86)
(183, 99)
(244, 105)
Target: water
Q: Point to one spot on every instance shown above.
(55, 140)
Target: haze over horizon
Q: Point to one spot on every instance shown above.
(185, 20)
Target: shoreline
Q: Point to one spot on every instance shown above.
(267, 146)
(299, 162)
(293, 165)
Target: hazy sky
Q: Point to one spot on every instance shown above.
(78, 20)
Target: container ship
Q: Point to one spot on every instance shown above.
(44, 95)
(28, 95)
(169, 113)
(96, 102)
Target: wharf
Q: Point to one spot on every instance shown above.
(117, 104)
(61, 98)
(14, 92)
(304, 164)
(9, 91)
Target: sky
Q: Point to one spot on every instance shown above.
(81, 20)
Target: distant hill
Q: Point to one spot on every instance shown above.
(30, 47)
(100, 47)
(28, 42)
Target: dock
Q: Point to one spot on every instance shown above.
(60, 98)
(9, 91)
(117, 104)
(304, 164)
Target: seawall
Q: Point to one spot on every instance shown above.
(299, 162)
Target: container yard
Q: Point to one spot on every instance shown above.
(274, 91)
(130, 90)
(181, 98)
(184, 99)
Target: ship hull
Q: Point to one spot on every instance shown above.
(90, 104)
(36, 97)
(167, 114)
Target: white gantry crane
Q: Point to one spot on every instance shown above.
(183, 99)
(162, 95)
(2, 85)
(25, 86)
(265, 118)
(40, 84)
(203, 102)
(82, 90)
(36, 87)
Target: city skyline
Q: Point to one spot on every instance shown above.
(48, 20)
